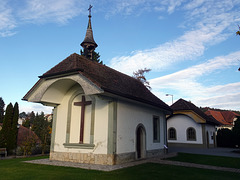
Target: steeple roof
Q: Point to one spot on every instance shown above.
(89, 35)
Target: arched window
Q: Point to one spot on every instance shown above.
(191, 134)
(172, 134)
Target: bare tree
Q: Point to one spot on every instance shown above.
(139, 75)
(238, 32)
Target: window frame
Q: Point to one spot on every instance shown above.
(156, 129)
(169, 134)
(193, 133)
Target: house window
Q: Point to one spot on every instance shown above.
(172, 135)
(156, 129)
(191, 134)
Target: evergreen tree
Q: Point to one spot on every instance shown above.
(2, 104)
(15, 124)
(236, 131)
(7, 137)
(26, 123)
(9, 130)
(42, 129)
(95, 56)
(225, 138)
(23, 115)
(31, 117)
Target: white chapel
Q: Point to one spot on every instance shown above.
(100, 116)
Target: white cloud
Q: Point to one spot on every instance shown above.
(210, 22)
(186, 84)
(173, 4)
(7, 21)
(29, 107)
(224, 101)
(51, 11)
(194, 4)
(37, 11)
(126, 7)
(187, 47)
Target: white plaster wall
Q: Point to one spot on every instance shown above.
(181, 123)
(61, 122)
(129, 116)
(100, 125)
(211, 130)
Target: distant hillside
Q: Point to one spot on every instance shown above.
(204, 109)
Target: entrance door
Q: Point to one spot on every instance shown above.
(214, 139)
(140, 142)
(207, 140)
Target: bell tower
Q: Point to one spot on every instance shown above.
(88, 43)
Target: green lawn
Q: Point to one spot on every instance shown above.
(208, 160)
(17, 169)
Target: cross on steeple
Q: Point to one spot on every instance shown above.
(83, 104)
(89, 9)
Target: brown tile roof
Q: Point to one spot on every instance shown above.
(218, 116)
(107, 79)
(24, 133)
(182, 104)
(229, 116)
(225, 117)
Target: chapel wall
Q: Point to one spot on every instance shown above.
(129, 116)
(101, 127)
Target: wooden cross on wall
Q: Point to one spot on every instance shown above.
(83, 104)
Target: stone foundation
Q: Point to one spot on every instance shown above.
(188, 145)
(86, 158)
(125, 157)
(155, 152)
(103, 159)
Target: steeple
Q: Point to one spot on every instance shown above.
(88, 43)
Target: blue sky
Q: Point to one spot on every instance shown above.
(190, 46)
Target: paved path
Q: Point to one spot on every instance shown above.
(228, 152)
(185, 164)
(159, 160)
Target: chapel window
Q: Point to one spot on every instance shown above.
(191, 134)
(156, 129)
(172, 135)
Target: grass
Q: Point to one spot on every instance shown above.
(208, 160)
(16, 169)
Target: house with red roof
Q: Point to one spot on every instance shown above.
(226, 118)
(100, 116)
(24, 134)
(188, 126)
